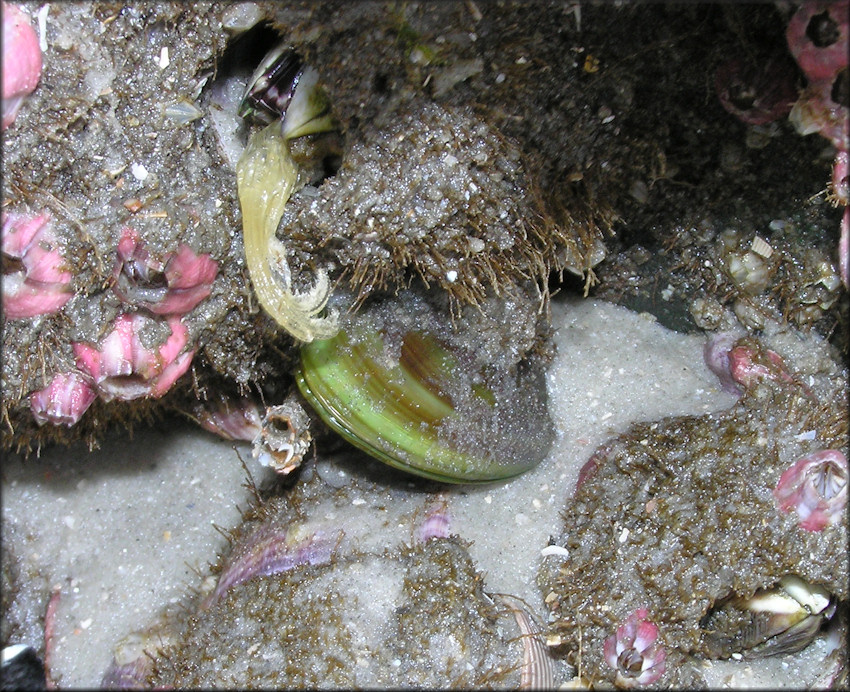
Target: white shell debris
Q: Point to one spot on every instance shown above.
(761, 247)
(558, 550)
(139, 172)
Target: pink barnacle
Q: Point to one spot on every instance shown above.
(635, 652)
(123, 368)
(173, 286)
(757, 92)
(748, 364)
(21, 61)
(817, 38)
(816, 488)
(63, 401)
(36, 280)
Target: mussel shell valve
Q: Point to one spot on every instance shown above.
(417, 406)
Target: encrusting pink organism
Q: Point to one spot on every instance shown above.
(63, 401)
(21, 61)
(635, 652)
(173, 286)
(36, 280)
(815, 487)
(123, 368)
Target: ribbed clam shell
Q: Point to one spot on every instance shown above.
(422, 406)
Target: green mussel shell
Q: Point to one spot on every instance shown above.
(416, 403)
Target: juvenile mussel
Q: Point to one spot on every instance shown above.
(404, 385)
(779, 620)
(283, 88)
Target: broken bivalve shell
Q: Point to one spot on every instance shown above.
(780, 620)
(416, 399)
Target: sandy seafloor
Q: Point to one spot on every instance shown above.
(125, 530)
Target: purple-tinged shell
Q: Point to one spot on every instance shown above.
(815, 487)
(273, 84)
(437, 523)
(716, 356)
(274, 552)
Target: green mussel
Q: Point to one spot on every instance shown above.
(411, 394)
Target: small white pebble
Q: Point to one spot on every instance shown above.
(807, 435)
(164, 61)
(451, 276)
(358, 501)
(139, 172)
(500, 78)
(488, 499)
(85, 624)
(69, 521)
(737, 656)
(624, 535)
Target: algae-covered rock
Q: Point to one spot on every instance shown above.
(340, 581)
(675, 517)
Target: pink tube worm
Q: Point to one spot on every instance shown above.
(21, 61)
(123, 368)
(173, 286)
(635, 652)
(63, 401)
(815, 487)
(36, 280)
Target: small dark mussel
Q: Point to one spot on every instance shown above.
(283, 88)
